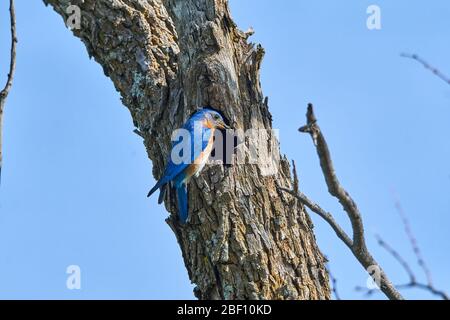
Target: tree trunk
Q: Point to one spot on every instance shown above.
(245, 239)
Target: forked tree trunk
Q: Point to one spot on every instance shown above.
(245, 239)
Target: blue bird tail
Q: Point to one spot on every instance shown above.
(162, 193)
(156, 187)
(159, 185)
(182, 202)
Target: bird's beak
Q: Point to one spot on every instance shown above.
(223, 125)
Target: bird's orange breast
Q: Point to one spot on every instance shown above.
(201, 160)
(208, 124)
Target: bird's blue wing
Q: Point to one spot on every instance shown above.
(199, 145)
(199, 138)
(172, 170)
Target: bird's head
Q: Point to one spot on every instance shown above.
(213, 119)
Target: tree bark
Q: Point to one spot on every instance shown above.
(245, 239)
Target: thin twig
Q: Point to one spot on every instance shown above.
(413, 241)
(328, 217)
(426, 65)
(413, 283)
(398, 257)
(334, 287)
(357, 245)
(416, 285)
(12, 67)
(422, 286)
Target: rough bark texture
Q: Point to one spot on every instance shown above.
(245, 239)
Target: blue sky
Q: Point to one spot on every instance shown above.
(75, 177)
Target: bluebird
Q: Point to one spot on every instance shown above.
(200, 129)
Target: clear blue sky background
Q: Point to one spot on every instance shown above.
(75, 177)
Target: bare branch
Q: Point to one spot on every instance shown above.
(413, 283)
(422, 286)
(334, 186)
(397, 257)
(357, 245)
(328, 217)
(12, 67)
(426, 65)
